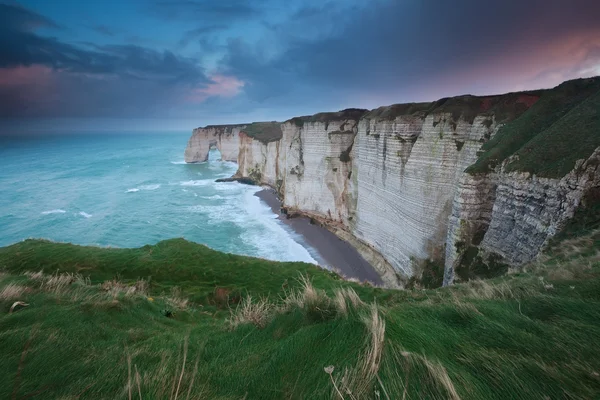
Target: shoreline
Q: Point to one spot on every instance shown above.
(333, 252)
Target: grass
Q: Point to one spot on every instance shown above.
(326, 117)
(560, 128)
(178, 320)
(265, 132)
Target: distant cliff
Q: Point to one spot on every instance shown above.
(473, 184)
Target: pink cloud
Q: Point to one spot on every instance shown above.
(25, 76)
(221, 86)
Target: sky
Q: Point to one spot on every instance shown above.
(179, 64)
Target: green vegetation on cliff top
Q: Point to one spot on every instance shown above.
(187, 332)
(326, 117)
(265, 132)
(560, 128)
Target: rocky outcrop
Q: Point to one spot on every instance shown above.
(392, 181)
(226, 138)
(512, 215)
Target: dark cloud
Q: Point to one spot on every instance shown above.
(294, 57)
(200, 34)
(103, 30)
(44, 76)
(22, 46)
(206, 10)
(15, 17)
(396, 48)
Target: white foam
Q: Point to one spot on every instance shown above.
(261, 230)
(144, 187)
(199, 182)
(57, 211)
(84, 214)
(178, 162)
(150, 187)
(274, 241)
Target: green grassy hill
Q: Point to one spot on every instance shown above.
(547, 139)
(178, 320)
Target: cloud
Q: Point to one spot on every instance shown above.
(277, 59)
(206, 9)
(200, 33)
(221, 86)
(103, 30)
(43, 76)
(417, 50)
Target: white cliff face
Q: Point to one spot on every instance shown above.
(260, 161)
(514, 214)
(318, 167)
(225, 138)
(392, 182)
(407, 173)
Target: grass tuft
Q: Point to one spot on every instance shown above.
(257, 313)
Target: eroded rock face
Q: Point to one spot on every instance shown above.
(514, 215)
(407, 173)
(224, 137)
(392, 181)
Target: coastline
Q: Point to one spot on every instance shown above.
(333, 251)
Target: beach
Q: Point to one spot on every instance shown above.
(333, 251)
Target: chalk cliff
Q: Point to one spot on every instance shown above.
(226, 138)
(411, 182)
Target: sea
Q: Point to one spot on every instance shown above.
(129, 190)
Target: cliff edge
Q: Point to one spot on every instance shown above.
(458, 188)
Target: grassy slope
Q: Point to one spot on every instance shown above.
(578, 132)
(561, 127)
(515, 337)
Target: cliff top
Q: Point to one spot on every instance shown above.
(264, 132)
(548, 138)
(224, 126)
(503, 107)
(349, 113)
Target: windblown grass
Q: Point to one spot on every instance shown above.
(299, 333)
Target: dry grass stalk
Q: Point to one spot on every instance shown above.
(480, 289)
(176, 299)
(307, 297)
(115, 288)
(344, 298)
(58, 283)
(357, 382)
(402, 360)
(12, 291)
(36, 276)
(439, 374)
(15, 305)
(257, 313)
(185, 350)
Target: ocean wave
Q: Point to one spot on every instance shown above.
(57, 211)
(199, 182)
(273, 240)
(178, 162)
(84, 214)
(263, 235)
(144, 187)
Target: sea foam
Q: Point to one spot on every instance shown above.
(57, 211)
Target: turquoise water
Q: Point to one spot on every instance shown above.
(132, 190)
